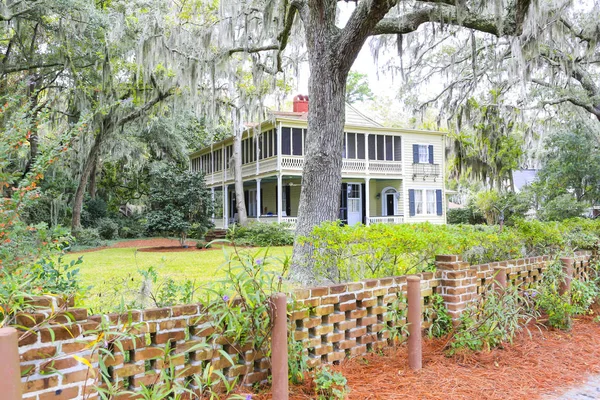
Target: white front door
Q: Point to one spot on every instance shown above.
(354, 204)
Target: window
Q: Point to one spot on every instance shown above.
(286, 145)
(423, 154)
(372, 147)
(431, 202)
(426, 201)
(351, 145)
(397, 149)
(297, 141)
(360, 146)
(380, 147)
(418, 202)
(389, 154)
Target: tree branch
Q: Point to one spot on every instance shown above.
(364, 18)
(406, 23)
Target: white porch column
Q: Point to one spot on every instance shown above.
(278, 148)
(212, 196)
(258, 205)
(225, 206)
(367, 200)
(279, 197)
(367, 152)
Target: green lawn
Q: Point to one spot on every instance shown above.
(113, 272)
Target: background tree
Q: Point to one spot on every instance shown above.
(486, 147)
(178, 200)
(570, 164)
(357, 88)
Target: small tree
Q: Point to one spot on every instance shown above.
(178, 199)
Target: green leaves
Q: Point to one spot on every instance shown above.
(178, 199)
(350, 253)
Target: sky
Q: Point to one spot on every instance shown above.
(380, 84)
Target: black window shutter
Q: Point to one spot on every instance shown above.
(438, 200)
(411, 202)
(246, 198)
(430, 154)
(415, 153)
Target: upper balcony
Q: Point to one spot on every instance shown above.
(293, 165)
(426, 170)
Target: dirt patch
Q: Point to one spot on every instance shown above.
(170, 249)
(154, 242)
(545, 363)
(142, 243)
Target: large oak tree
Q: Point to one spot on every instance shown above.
(331, 52)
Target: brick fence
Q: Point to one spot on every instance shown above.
(332, 322)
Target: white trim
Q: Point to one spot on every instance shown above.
(279, 197)
(384, 202)
(367, 201)
(258, 203)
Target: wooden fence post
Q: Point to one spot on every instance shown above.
(567, 265)
(279, 348)
(415, 316)
(10, 366)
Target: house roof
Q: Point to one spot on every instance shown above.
(353, 117)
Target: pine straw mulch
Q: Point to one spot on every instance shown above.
(544, 363)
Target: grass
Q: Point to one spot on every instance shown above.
(114, 278)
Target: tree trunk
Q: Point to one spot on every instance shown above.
(88, 166)
(237, 174)
(322, 173)
(92, 182)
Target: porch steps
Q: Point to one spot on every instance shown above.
(215, 234)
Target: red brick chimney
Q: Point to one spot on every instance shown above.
(301, 103)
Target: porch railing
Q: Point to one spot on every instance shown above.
(390, 219)
(386, 167)
(382, 167)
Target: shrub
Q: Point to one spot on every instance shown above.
(261, 234)
(465, 215)
(330, 385)
(107, 229)
(583, 295)
(93, 210)
(201, 244)
(348, 253)
(87, 237)
(178, 199)
(548, 300)
(495, 319)
(562, 207)
(131, 227)
(438, 317)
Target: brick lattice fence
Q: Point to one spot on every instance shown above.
(332, 322)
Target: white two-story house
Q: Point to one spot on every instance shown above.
(390, 175)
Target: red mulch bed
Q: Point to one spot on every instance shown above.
(141, 243)
(546, 363)
(171, 249)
